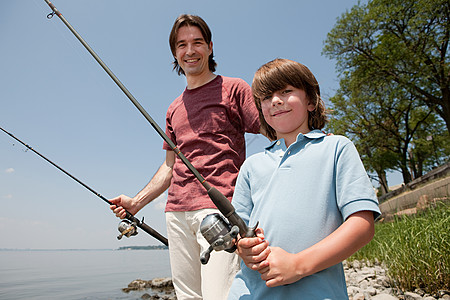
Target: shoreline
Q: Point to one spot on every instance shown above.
(365, 281)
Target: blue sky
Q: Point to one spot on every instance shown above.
(57, 99)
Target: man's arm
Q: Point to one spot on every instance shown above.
(157, 185)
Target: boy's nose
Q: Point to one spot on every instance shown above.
(276, 100)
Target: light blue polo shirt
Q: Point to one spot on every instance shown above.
(300, 195)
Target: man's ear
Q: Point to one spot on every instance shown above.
(210, 47)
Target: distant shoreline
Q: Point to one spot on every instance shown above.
(163, 247)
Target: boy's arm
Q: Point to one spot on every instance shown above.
(284, 268)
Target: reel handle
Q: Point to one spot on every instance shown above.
(204, 257)
(251, 231)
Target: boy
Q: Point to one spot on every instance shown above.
(308, 191)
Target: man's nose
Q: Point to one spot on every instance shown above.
(190, 49)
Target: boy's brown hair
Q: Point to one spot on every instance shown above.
(276, 75)
(190, 20)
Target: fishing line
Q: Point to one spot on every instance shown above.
(128, 231)
(221, 202)
(70, 47)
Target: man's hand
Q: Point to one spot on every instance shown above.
(121, 204)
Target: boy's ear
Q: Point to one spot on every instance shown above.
(311, 106)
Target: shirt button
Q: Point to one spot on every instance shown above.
(278, 143)
(289, 152)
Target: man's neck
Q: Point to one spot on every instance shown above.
(198, 81)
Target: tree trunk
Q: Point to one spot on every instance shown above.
(406, 175)
(384, 188)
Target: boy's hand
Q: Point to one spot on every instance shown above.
(254, 251)
(281, 268)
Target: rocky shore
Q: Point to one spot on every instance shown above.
(369, 281)
(364, 281)
(158, 288)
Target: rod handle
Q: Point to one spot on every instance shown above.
(147, 228)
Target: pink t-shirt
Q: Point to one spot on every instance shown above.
(207, 124)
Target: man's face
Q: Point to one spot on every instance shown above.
(192, 51)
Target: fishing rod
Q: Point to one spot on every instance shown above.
(221, 202)
(126, 228)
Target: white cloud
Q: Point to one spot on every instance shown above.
(8, 196)
(9, 170)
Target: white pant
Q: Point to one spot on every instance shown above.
(191, 279)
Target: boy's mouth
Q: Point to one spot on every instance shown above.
(280, 112)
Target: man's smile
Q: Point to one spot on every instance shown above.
(192, 60)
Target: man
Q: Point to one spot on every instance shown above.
(207, 123)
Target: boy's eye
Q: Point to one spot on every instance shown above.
(287, 91)
(267, 97)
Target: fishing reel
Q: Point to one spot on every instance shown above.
(219, 234)
(127, 228)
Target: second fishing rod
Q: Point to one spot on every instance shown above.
(219, 200)
(126, 228)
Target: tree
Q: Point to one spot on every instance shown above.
(401, 41)
(429, 147)
(383, 120)
(351, 116)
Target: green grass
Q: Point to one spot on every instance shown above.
(415, 250)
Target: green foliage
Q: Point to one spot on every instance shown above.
(393, 61)
(415, 250)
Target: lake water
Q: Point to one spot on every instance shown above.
(78, 274)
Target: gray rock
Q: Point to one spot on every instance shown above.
(161, 282)
(412, 296)
(352, 290)
(358, 296)
(371, 291)
(162, 288)
(356, 265)
(384, 297)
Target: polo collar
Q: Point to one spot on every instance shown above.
(313, 134)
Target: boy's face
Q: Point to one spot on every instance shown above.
(286, 111)
(191, 51)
